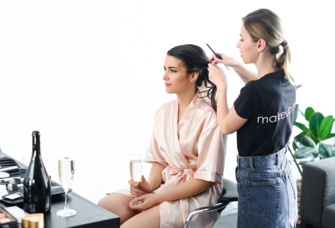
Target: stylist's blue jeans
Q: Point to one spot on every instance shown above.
(267, 192)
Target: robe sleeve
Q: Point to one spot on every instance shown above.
(153, 154)
(211, 155)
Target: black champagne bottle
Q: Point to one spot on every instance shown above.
(36, 184)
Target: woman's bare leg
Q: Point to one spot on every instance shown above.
(146, 219)
(119, 205)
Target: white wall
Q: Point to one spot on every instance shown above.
(87, 74)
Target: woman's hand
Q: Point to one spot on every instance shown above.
(217, 76)
(141, 189)
(148, 201)
(226, 60)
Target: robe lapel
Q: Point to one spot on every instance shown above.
(189, 113)
(175, 128)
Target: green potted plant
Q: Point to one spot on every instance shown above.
(308, 144)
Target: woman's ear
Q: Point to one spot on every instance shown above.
(261, 45)
(194, 76)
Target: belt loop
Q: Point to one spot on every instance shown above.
(238, 165)
(277, 159)
(251, 164)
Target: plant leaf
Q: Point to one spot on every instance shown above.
(296, 111)
(305, 152)
(302, 163)
(294, 146)
(324, 150)
(302, 113)
(326, 126)
(305, 133)
(331, 135)
(298, 86)
(302, 141)
(308, 113)
(315, 140)
(301, 126)
(315, 153)
(332, 150)
(314, 124)
(287, 144)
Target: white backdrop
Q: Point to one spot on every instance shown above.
(88, 74)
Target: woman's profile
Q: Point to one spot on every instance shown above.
(187, 151)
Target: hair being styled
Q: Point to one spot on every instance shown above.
(194, 59)
(265, 24)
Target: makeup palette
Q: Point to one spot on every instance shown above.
(7, 220)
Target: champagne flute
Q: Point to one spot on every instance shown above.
(66, 172)
(136, 171)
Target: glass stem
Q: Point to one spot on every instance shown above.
(66, 206)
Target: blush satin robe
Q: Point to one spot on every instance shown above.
(192, 148)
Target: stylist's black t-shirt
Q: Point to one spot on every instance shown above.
(268, 103)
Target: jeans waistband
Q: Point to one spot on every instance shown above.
(254, 161)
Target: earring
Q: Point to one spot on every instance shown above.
(192, 81)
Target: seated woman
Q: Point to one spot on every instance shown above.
(187, 151)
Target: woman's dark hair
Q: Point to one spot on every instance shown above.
(194, 59)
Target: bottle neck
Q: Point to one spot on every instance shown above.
(36, 147)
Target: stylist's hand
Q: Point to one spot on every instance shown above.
(141, 189)
(146, 202)
(226, 60)
(217, 76)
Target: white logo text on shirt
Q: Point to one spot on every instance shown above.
(277, 117)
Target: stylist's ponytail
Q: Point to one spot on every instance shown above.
(265, 24)
(284, 59)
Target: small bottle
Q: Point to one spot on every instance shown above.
(36, 184)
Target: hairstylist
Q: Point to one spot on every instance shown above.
(262, 115)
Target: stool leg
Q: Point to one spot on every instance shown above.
(216, 207)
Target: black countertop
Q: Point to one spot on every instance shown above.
(88, 214)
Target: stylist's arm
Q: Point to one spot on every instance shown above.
(228, 120)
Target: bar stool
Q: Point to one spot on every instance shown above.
(229, 195)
